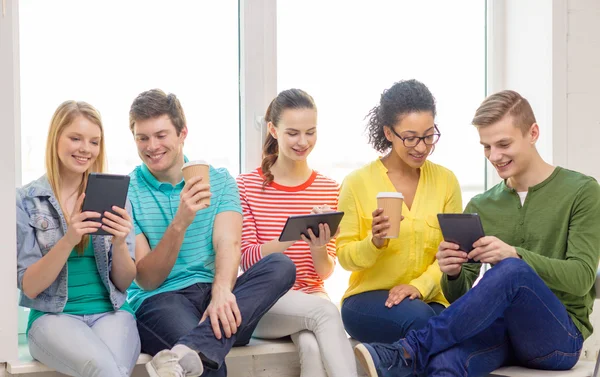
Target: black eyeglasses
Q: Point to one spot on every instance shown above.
(413, 141)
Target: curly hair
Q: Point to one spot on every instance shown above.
(404, 97)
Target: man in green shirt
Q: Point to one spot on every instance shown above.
(532, 307)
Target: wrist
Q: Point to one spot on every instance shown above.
(381, 244)
(179, 224)
(69, 243)
(220, 287)
(319, 249)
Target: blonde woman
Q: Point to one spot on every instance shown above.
(75, 282)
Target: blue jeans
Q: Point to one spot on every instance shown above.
(99, 345)
(171, 318)
(510, 318)
(368, 320)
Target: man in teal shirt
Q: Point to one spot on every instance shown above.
(190, 305)
(532, 307)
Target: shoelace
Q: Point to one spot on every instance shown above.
(388, 353)
(179, 371)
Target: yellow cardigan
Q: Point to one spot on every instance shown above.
(408, 259)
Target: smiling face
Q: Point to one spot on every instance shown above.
(415, 124)
(159, 146)
(507, 147)
(78, 146)
(296, 133)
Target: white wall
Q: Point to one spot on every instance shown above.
(9, 120)
(583, 87)
(583, 108)
(522, 45)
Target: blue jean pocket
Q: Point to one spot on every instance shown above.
(555, 360)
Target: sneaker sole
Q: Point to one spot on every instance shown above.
(364, 357)
(150, 369)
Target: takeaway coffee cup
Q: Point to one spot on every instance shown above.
(391, 202)
(197, 168)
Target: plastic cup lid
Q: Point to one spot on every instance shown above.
(396, 195)
(195, 162)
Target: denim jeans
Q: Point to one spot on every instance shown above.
(171, 318)
(510, 318)
(99, 345)
(367, 319)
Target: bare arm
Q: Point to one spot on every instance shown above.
(123, 269)
(227, 235)
(41, 274)
(154, 267)
(274, 246)
(44, 272)
(223, 308)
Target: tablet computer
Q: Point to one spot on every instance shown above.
(104, 191)
(297, 225)
(462, 229)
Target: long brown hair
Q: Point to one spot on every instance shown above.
(288, 99)
(64, 115)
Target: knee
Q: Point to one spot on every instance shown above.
(308, 347)
(326, 313)
(511, 268)
(281, 268)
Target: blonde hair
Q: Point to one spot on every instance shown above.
(498, 105)
(64, 115)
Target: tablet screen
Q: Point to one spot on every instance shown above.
(104, 191)
(297, 225)
(462, 229)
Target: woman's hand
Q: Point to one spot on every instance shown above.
(79, 224)
(319, 244)
(119, 226)
(379, 228)
(400, 292)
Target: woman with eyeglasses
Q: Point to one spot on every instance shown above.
(395, 283)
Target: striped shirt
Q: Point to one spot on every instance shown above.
(155, 204)
(266, 211)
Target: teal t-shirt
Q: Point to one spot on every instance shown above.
(155, 204)
(85, 291)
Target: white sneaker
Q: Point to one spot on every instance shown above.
(167, 363)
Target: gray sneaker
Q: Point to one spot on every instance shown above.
(167, 364)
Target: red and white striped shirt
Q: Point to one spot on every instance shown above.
(266, 211)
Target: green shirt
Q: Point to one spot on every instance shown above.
(85, 291)
(556, 231)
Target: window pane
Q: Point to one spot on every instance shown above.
(107, 52)
(346, 53)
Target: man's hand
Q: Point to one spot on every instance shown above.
(189, 203)
(223, 308)
(450, 258)
(492, 250)
(400, 292)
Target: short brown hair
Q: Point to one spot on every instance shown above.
(155, 103)
(501, 104)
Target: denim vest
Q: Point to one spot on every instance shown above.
(40, 224)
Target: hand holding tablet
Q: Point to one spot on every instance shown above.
(104, 191)
(296, 226)
(462, 229)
